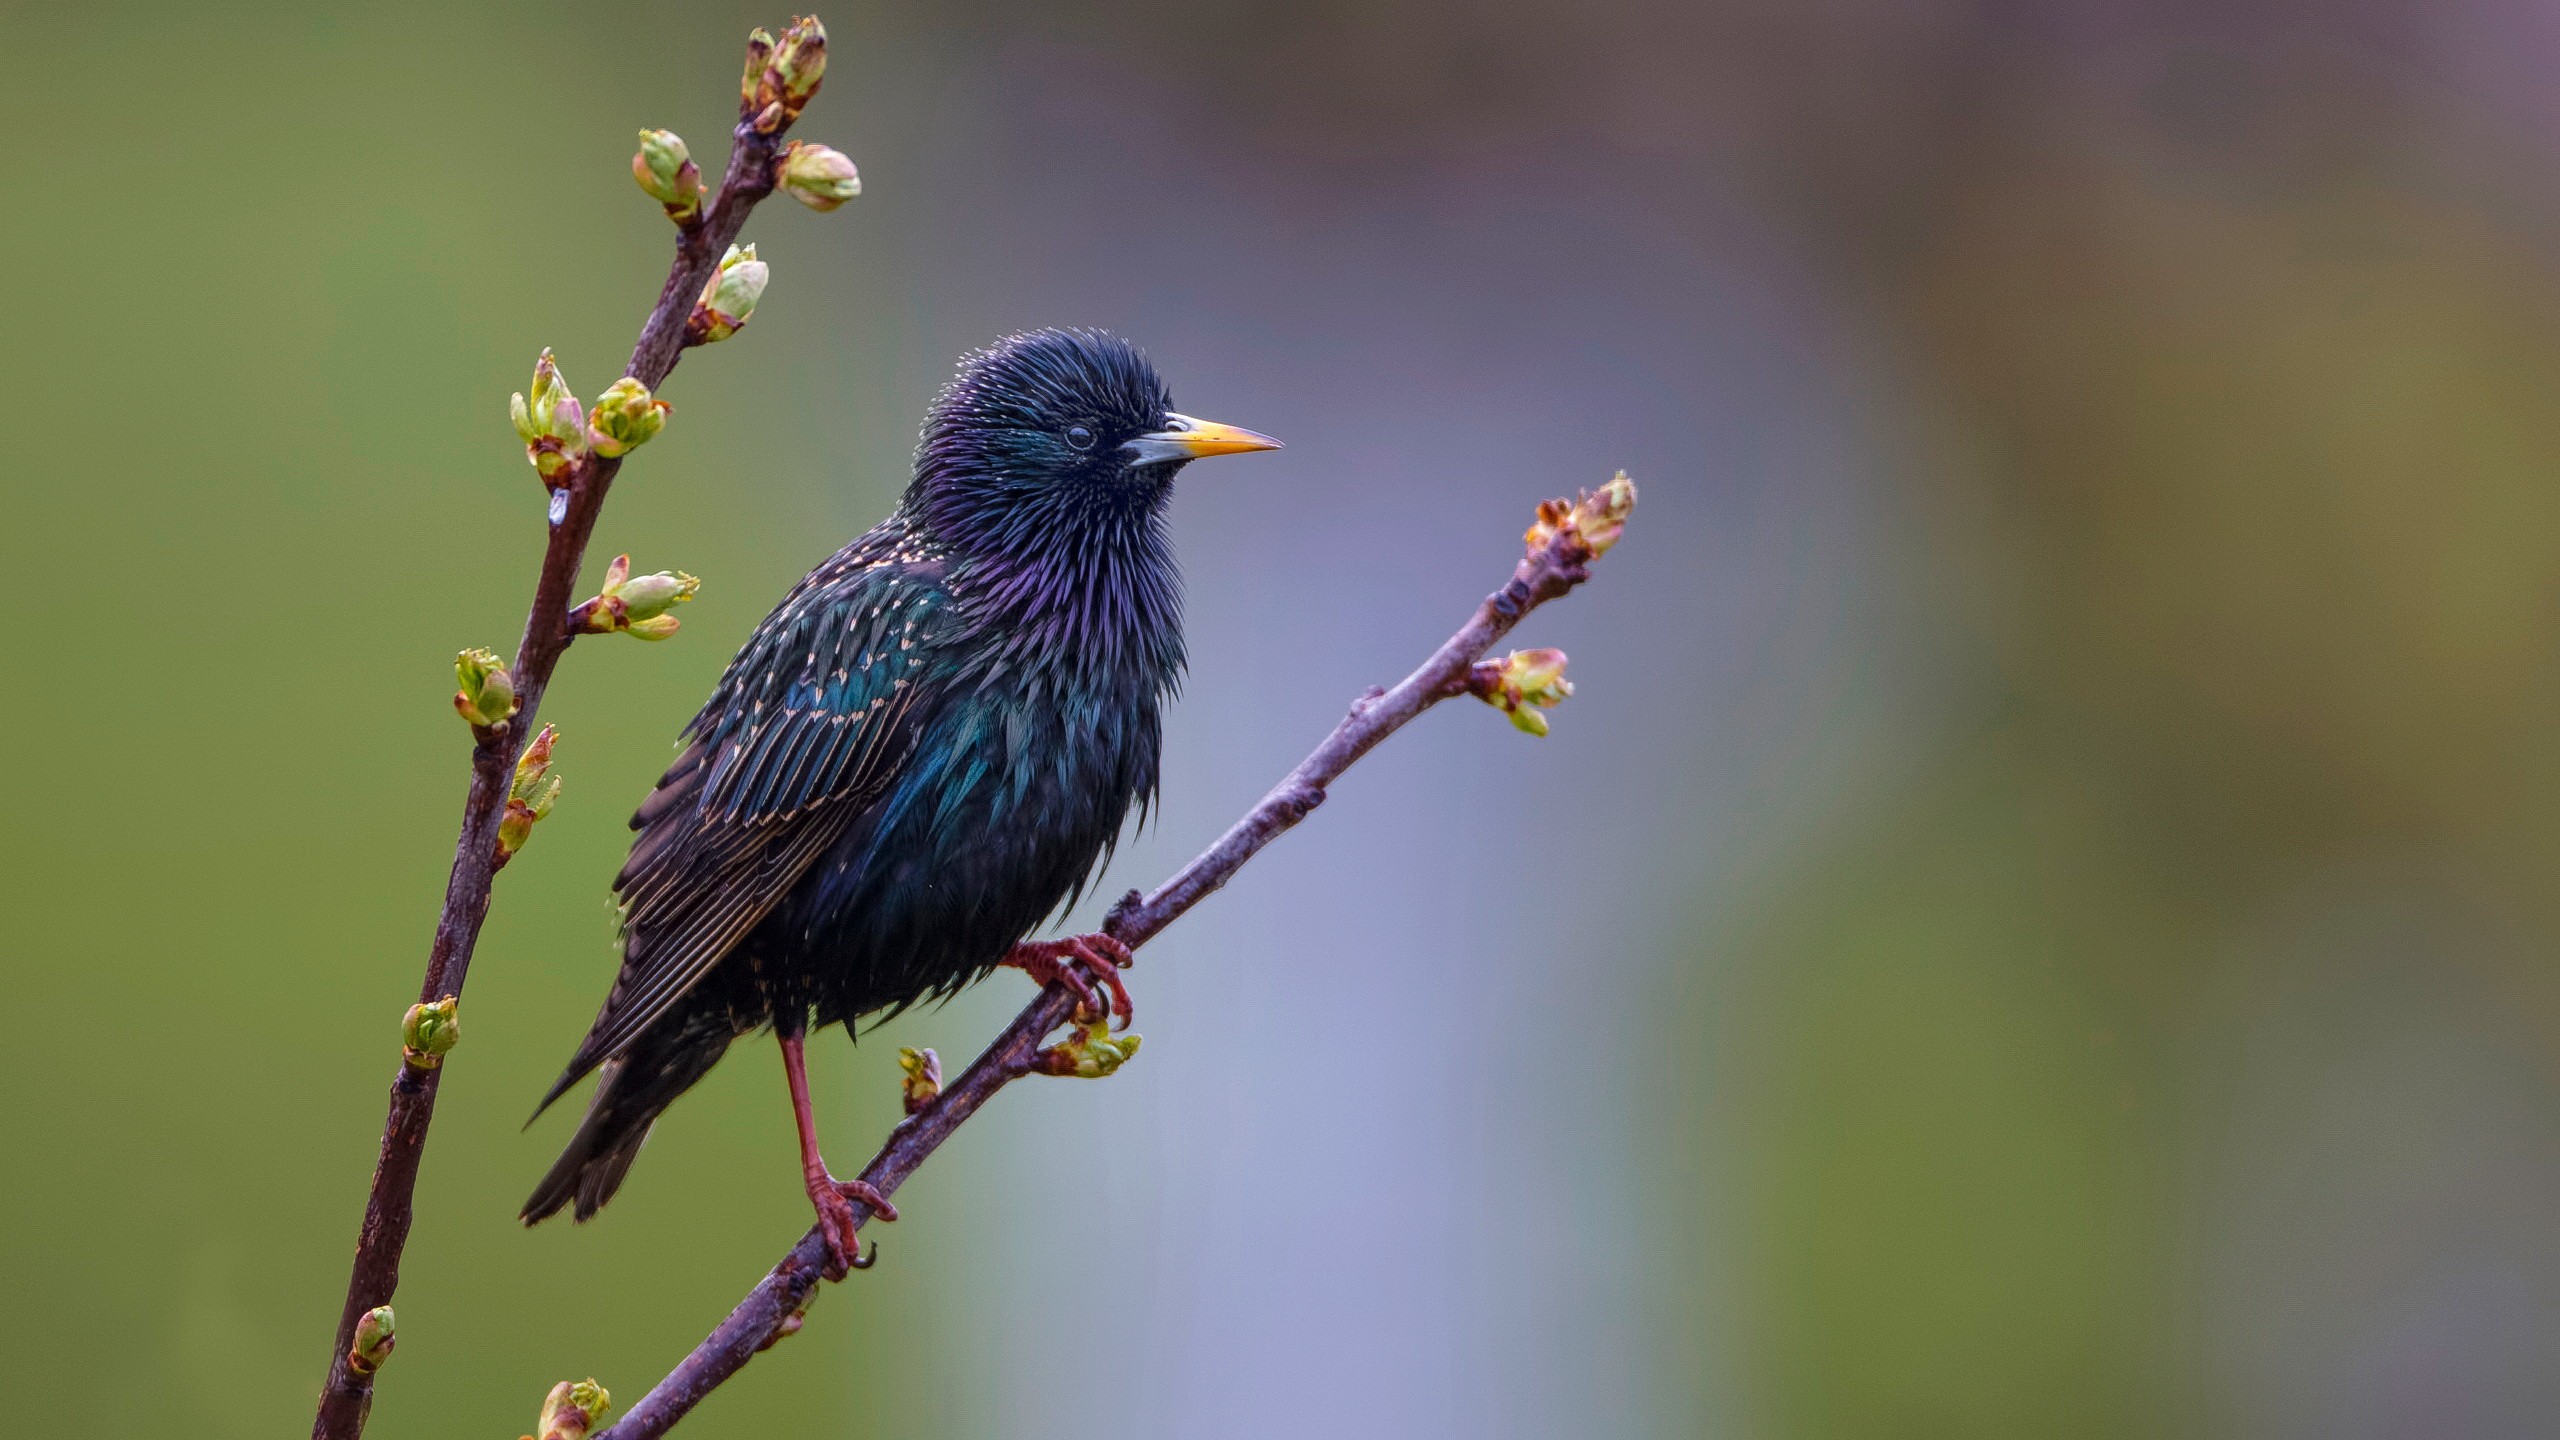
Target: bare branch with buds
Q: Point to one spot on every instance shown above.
(711, 288)
(1560, 547)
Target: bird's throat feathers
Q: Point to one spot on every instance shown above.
(1071, 578)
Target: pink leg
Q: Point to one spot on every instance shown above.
(833, 1197)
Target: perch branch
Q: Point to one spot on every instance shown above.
(1560, 549)
(577, 498)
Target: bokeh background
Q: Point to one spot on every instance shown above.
(2039, 921)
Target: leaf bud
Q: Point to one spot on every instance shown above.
(627, 417)
(665, 169)
(1522, 685)
(923, 1079)
(550, 422)
(373, 1341)
(728, 297)
(428, 1031)
(530, 795)
(1596, 520)
(637, 605)
(1090, 1052)
(571, 1410)
(488, 693)
(759, 55)
(792, 68)
(818, 176)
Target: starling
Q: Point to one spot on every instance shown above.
(925, 750)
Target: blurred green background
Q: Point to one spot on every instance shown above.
(2037, 923)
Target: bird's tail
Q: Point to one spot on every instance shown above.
(632, 1090)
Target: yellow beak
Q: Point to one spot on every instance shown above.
(1184, 438)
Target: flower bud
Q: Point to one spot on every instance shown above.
(571, 1410)
(428, 1031)
(373, 1341)
(627, 417)
(530, 795)
(729, 297)
(1521, 685)
(551, 424)
(488, 693)
(818, 177)
(665, 169)
(923, 1077)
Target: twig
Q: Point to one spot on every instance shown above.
(1560, 549)
(577, 499)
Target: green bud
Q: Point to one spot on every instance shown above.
(635, 605)
(728, 297)
(530, 795)
(797, 62)
(373, 1341)
(801, 59)
(488, 693)
(552, 426)
(1105, 1053)
(759, 55)
(1090, 1053)
(427, 1032)
(923, 1077)
(1522, 685)
(818, 177)
(571, 1410)
(649, 596)
(665, 169)
(627, 417)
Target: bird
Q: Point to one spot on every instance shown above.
(928, 748)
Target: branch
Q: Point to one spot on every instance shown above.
(1561, 546)
(579, 474)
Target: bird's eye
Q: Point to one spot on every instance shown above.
(1079, 436)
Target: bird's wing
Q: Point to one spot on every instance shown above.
(811, 723)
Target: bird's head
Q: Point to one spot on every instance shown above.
(1056, 431)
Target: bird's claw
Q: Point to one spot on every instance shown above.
(1081, 962)
(834, 1200)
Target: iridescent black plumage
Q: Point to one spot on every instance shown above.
(922, 753)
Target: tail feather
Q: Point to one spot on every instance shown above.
(632, 1091)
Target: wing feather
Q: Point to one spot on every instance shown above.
(808, 728)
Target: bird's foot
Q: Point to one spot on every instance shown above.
(834, 1200)
(1081, 962)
